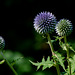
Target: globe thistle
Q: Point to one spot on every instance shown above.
(2, 43)
(45, 22)
(64, 27)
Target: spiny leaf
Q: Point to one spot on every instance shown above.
(36, 64)
(51, 41)
(64, 73)
(70, 47)
(48, 59)
(48, 64)
(44, 67)
(58, 38)
(45, 64)
(14, 61)
(60, 59)
(62, 45)
(1, 62)
(72, 60)
(43, 59)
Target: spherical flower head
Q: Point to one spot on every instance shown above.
(45, 22)
(2, 43)
(64, 27)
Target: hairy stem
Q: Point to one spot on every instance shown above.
(9, 64)
(69, 64)
(52, 50)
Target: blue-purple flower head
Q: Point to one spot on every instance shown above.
(45, 22)
(2, 43)
(64, 27)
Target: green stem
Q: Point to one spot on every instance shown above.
(65, 40)
(52, 50)
(9, 64)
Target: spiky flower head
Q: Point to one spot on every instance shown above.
(2, 43)
(64, 27)
(45, 22)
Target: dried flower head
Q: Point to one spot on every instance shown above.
(45, 22)
(2, 43)
(64, 27)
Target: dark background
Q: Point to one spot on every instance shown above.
(16, 27)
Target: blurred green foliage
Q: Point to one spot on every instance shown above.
(22, 64)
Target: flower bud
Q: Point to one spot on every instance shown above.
(2, 43)
(64, 27)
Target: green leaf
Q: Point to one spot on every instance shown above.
(62, 45)
(58, 38)
(45, 64)
(64, 73)
(1, 62)
(48, 59)
(52, 41)
(36, 64)
(44, 67)
(43, 60)
(72, 60)
(60, 59)
(14, 61)
(70, 47)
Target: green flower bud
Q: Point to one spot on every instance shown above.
(64, 27)
(2, 43)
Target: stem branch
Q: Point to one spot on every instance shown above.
(52, 50)
(65, 39)
(9, 64)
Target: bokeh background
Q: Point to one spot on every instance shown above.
(23, 43)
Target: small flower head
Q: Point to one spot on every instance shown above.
(64, 27)
(2, 43)
(45, 22)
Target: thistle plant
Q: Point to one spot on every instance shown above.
(64, 28)
(2, 45)
(45, 23)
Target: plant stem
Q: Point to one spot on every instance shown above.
(9, 64)
(52, 50)
(65, 40)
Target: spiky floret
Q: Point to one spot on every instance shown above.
(45, 22)
(2, 43)
(64, 27)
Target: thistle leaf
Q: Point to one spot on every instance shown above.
(1, 62)
(44, 67)
(70, 47)
(60, 59)
(62, 45)
(64, 73)
(14, 61)
(48, 59)
(72, 60)
(45, 64)
(36, 64)
(43, 60)
(58, 38)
